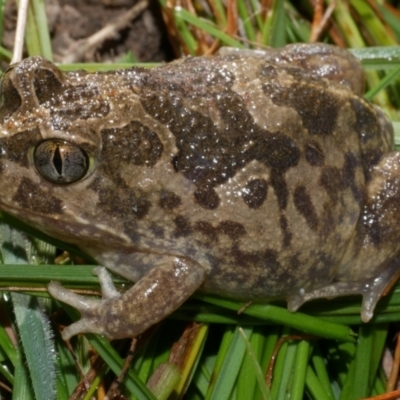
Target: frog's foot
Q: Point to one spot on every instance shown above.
(371, 290)
(162, 290)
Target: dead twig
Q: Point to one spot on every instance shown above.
(82, 48)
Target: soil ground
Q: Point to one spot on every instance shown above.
(72, 21)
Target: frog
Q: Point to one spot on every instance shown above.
(250, 175)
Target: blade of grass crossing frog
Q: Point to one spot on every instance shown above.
(321, 373)
(33, 326)
(42, 28)
(251, 375)
(232, 355)
(114, 361)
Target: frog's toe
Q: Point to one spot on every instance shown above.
(371, 290)
(88, 308)
(108, 290)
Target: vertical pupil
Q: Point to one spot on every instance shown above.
(57, 160)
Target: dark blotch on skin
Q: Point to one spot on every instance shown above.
(206, 155)
(134, 143)
(278, 182)
(121, 203)
(287, 235)
(255, 193)
(208, 231)
(232, 229)
(305, 207)
(317, 108)
(349, 175)
(207, 198)
(10, 99)
(67, 103)
(267, 259)
(366, 122)
(169, 200)
(46, 86)
(314, 154)
(30, 197)
(16, 147)
(335, 180)
(157, 230)
(182, 226)
(368, 129)
(331, 179)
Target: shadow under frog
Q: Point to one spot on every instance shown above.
(251, 175)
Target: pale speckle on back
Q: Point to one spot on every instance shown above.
(248, 175)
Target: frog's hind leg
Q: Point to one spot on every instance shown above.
(371, 290)
(371, 262)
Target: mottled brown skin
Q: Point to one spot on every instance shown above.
(248, 175)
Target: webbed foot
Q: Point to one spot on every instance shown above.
(152, 298)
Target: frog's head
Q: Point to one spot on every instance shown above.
(49, 148)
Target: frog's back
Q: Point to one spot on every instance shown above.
(269, 170)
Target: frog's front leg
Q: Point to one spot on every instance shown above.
(157, 294)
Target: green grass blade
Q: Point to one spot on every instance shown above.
(186, 16)
(303, 322)
(114, 361)
(23, 388)
(314, 386)
(42, 28)
(232, 360)
(255, 372)
(37, 341)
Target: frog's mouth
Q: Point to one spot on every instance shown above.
(77, 231)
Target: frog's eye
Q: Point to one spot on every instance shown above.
(61, 162)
